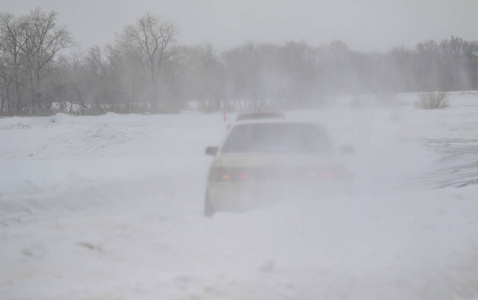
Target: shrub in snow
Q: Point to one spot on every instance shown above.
(437, 100)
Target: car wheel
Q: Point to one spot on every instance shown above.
(208, 208)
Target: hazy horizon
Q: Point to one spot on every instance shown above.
(366, 25)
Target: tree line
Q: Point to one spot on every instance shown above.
(146, 70)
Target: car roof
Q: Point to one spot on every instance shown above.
(272, 121)
(261, 111)
(259, 114)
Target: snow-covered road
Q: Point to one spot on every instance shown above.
(110, 207)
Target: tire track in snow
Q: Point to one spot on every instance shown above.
(457, 165)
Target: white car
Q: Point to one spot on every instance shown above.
(260, 161)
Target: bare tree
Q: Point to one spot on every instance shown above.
(12, 39)
(4, 86)
(44, 39)
(151, 39)
(202, 76)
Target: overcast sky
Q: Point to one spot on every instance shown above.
(366, 25)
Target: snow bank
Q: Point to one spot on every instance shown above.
(110, 207)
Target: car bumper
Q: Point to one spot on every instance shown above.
(243, 196)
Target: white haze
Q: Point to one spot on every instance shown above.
(110, 207)
(367, 25)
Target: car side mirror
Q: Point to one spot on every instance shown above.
(347, 149)
(212, 150)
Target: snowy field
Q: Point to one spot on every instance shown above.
(110, 207)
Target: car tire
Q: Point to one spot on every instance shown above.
(208, 208)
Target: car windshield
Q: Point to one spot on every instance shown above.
(273, 137)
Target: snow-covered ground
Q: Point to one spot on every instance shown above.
(110, 207)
